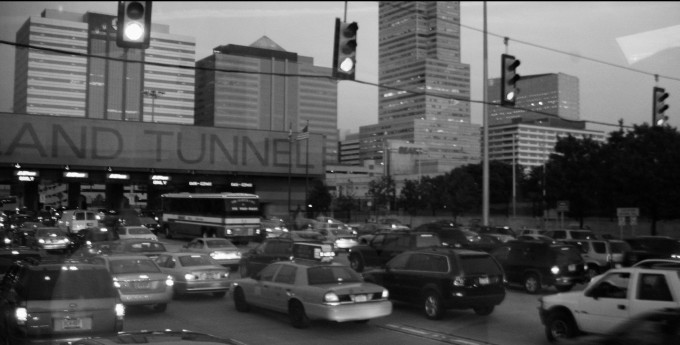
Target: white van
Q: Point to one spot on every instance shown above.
(75, 220)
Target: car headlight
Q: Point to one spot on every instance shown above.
(331, 297)
(169, 281)
(385, 293)
(555, 270)
(21, 315)
(120, 311)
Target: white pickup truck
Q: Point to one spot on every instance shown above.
(609, 300)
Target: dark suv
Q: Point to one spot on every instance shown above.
(654, 247)
(443, 278)
(270, 250)
(538, 264)
(386, 245)
(58, 301)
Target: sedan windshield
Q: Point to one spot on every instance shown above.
(331, 275)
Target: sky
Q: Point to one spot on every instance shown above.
(619, 51)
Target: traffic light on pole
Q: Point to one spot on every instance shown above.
(509, 79)
(345, 50)
(134, 24)
(660, 106)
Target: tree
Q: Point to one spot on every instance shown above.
(320, 198)
(382, 190)
(410, 197)
(461, 192)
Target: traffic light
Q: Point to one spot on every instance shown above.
(660, 106)
(345, 51)
(134, 24)
(509, 78)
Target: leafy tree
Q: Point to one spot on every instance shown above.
(383, 191)
(319, 197)
(461, 192)
(410, 197)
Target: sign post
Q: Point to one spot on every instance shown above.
(627, 215)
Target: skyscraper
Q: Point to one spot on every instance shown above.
(101, 80)
(425, 88)
(264, 87)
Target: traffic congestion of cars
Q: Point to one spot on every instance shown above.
(308, 274)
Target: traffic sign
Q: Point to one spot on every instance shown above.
(628, 212)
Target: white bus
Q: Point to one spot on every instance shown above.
(235, 216)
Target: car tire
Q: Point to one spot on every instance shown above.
(532, 283)
(433, 305)
(591, 272)
(219, 294)
(484, 310)
(560, 325)
(356, 262)
(243, 270)
(160, 307)
(240, 301)
(298, 317)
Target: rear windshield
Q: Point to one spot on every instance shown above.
(331, 275)
(427, 240)
(71, 283)
(195, 260)
(582, 235)
(145, 247)
(138, 231)
(566, 255)
(479, 265)
(133, 266)
(85, 216)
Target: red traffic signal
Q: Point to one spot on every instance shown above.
(134, 24)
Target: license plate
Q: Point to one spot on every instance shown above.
(484, 281)
(142, 285)
(360, 298)
(71, 323)
(572, 268)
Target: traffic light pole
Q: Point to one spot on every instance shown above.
(485, 158)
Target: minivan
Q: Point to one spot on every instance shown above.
(75, 220)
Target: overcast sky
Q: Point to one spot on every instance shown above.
(614, 48)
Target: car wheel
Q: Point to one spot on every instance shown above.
(240, 301)
(591, 272)
(160, 307)
(484, 310)
(532, 283)
(356, 262)
(298, 317)
(243, 271)
(432, 305)
(219, 294)
(564, 288)
(168, 233)
(560, 325)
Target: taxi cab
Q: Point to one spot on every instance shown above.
(312, 287)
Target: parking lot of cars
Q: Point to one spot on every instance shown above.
(417, 269)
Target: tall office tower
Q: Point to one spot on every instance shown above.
(425, 87)
(268, 92)
(102, 80)
(541, 96)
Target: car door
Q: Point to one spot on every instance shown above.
(279, 290)
(606, 303)
(258, 290)
(393, 276)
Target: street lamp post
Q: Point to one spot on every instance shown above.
(514, 188)
(153, 94)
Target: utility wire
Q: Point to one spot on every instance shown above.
(329, 77)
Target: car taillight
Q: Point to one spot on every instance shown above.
(22, 315)
(459, 281)
(385, 294)
(120, 311)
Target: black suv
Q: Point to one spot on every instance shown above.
(538, 264)
(654, 247)
(386, 245)
(58, 301)
(270, 250)
(443, 278)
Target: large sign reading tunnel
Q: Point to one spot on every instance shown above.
(35, 139)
